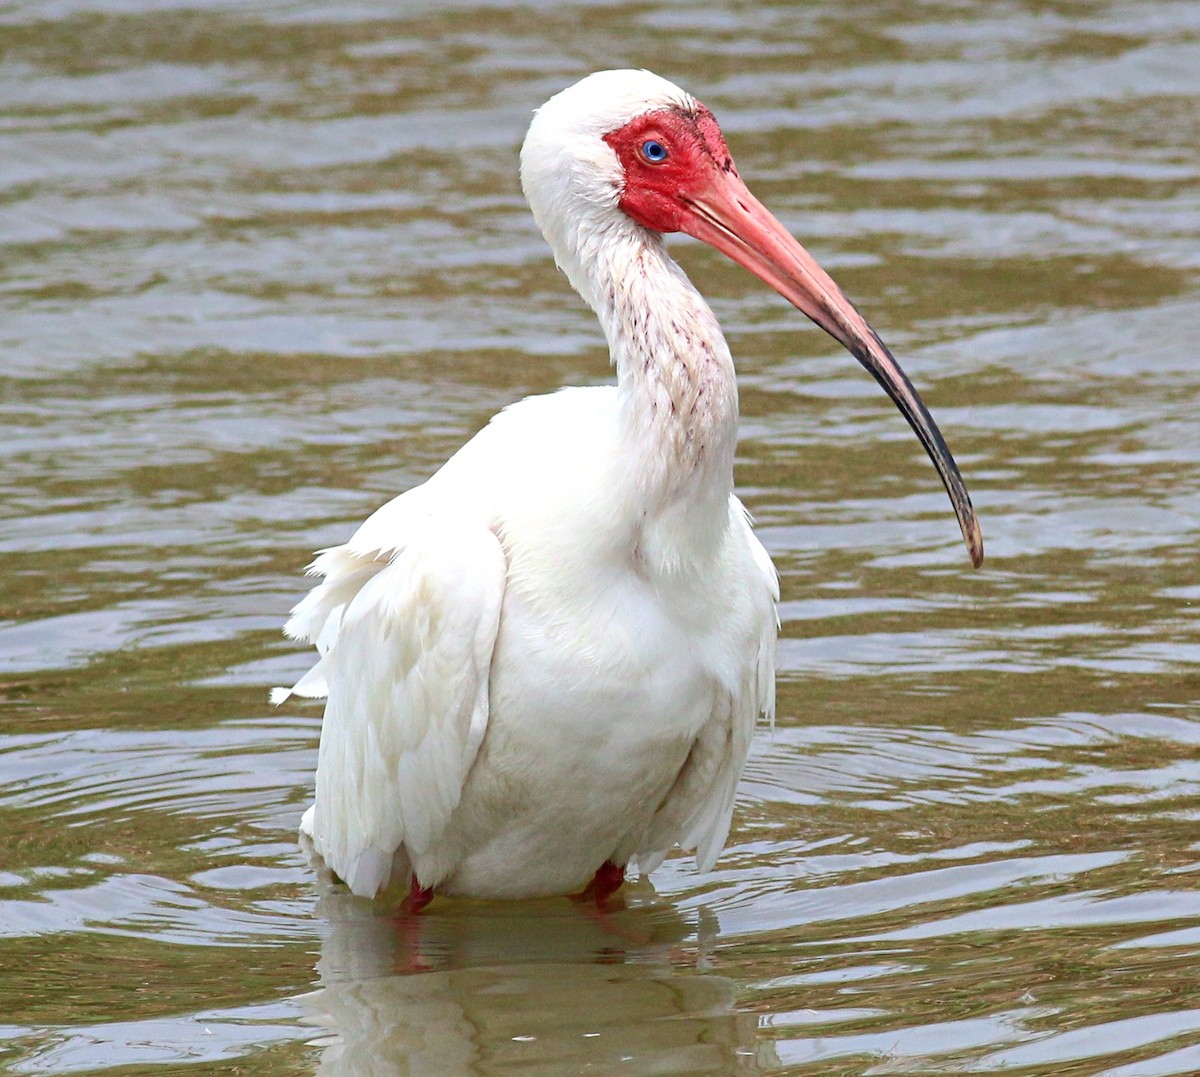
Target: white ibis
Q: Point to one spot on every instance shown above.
(543, 665)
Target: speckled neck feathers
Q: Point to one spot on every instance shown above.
(679, 404)
(673, 366)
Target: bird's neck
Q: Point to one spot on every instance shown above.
(679, 403)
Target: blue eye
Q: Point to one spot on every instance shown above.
(654, 151)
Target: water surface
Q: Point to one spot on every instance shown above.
(266, 264)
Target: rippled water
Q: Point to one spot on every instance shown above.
(263, 265)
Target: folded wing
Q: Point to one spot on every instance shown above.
(699, 809)
(407, 637)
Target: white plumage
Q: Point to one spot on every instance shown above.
(552, 654)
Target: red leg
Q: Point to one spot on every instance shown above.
(418, 897)
(606, 882)
(408, 929)
(595, 905)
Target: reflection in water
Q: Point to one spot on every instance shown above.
(531, 987)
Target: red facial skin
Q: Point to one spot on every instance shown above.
(653, 189)
(696, 189)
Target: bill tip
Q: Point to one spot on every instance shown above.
(974, 538)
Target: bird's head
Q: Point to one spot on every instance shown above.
(624, 151)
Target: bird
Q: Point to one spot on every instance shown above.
(542, 667)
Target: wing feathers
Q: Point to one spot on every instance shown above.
(700, 804)
(407, 679)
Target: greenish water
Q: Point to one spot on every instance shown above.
(262, 265)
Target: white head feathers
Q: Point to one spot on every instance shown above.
(570, 175)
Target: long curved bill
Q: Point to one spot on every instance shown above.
(728, 217)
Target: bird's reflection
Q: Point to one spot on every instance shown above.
(531, 987)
